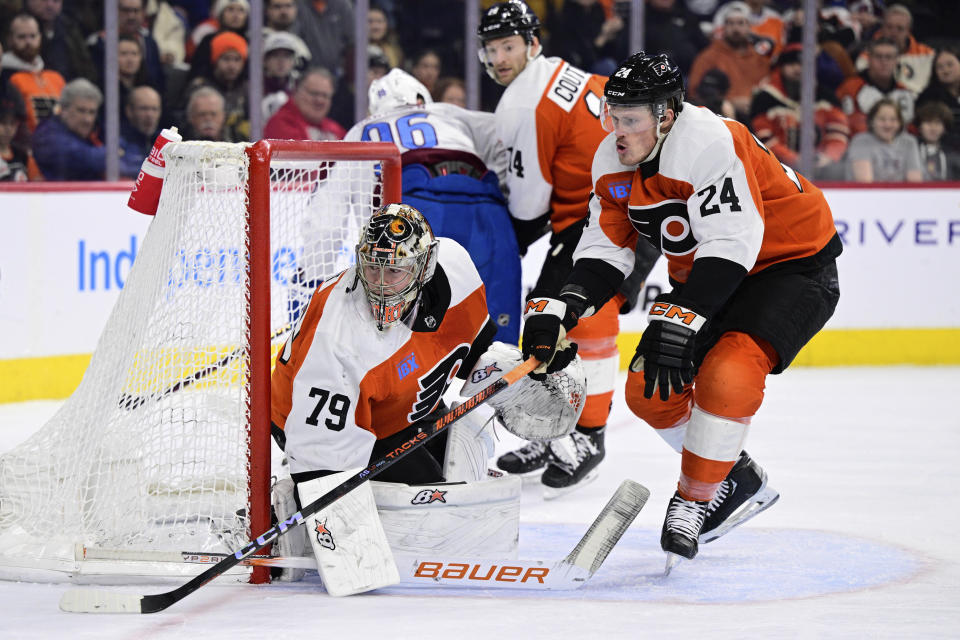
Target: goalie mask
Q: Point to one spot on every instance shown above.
(531, 409)
(396, 256)
(395, 90)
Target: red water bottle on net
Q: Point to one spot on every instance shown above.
(145, 196)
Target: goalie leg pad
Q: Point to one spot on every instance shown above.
(469, 448)
(347, 537)
(470, 519)
(294, 543)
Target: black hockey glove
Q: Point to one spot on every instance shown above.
(544, 335)
(665, 352)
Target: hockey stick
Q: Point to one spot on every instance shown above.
(98, 601)
(416, 571)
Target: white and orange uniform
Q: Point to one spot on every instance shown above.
(340, 384)
(713, 191)
(548, 120)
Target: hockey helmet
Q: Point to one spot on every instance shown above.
(396, 256)
(395, 90)
(503, 20)
(507, 19)
(644, 80)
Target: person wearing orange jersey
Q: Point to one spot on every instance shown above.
(751, 250)
(548, 120)
(25, 73)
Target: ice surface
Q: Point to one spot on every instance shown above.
(861, 543)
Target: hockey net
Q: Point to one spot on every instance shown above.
(165, 444)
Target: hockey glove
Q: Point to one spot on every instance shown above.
(544, 336)
(665, 352)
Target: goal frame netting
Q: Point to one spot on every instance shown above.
(262, 158)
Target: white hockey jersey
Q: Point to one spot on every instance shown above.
(548, 119)
(437, 125)
(340, 384)
(714, 190)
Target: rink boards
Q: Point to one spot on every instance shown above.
(65, 255)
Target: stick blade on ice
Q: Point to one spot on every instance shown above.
(100, 601)
(613, 521)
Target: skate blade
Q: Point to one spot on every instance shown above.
(552, 493)
(760, 502)
(672, 561)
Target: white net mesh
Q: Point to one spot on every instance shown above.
(152, 450)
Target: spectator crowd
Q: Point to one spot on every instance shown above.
(887, 94)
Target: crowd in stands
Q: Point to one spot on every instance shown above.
(887, 95)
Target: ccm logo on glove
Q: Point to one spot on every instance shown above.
(676, 314)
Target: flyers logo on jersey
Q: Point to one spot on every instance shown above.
(666, 225)
(435, 383)
(324, 536)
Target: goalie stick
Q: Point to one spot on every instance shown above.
(424, 571)
(99, 601)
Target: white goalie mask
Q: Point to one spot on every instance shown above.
(531, 409)
(396, 256)
(395, 90)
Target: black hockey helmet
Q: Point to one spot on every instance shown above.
(646, 79)
(507, 19)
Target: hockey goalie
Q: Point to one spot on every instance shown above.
(364, 371)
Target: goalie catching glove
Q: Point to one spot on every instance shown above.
(665, 352)
(542, 408)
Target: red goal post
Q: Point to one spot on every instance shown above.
(165, 444)
(261, 155)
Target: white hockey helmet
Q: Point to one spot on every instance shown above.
(395, 90)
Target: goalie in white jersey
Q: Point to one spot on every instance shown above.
(376, 349)
(363, 374)
(364, 369)
(452, 168)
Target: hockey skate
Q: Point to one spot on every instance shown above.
(742, 495)
(573, 463)
(527, 461)
(681, 529)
